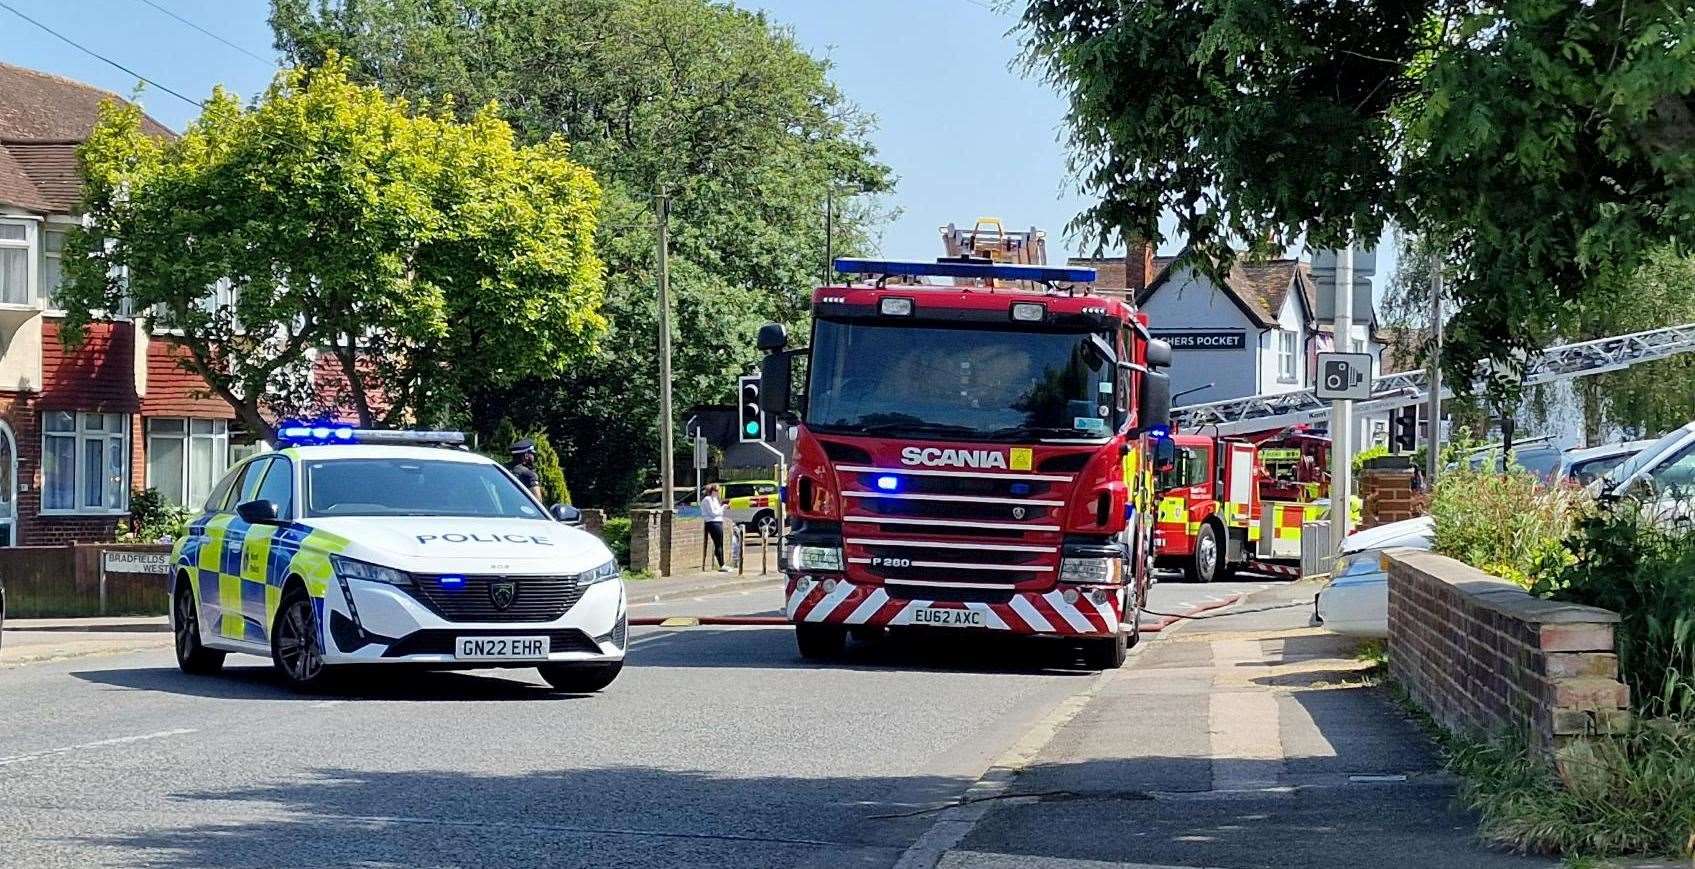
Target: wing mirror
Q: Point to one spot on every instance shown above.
(566, 513)
(257, 512)
(1159, 353)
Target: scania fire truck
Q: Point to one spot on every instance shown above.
(974, 456)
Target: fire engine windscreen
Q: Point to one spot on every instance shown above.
(1188, 468)
(938, 380)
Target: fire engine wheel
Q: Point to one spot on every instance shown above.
(1133, 615)
(1106, 654)
(820, 642)
(1207, 564)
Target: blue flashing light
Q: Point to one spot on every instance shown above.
(983, 271)
(300, 434)
(452, 581)
(1020, 488)
(888, 482)
(1159, 432)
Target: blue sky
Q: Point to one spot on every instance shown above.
(967, 134)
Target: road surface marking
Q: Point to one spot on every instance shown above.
(99, 743)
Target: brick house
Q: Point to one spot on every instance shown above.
(79, 429)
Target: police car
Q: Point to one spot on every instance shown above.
(384, 548)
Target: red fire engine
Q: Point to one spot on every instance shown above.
(1226, 503)
(971, 456)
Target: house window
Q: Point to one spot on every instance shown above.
(1286, 356)
(1359, 345)
(14, 263)
(84, 462)
(185, 457)
(52, 264)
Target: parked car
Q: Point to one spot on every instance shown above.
(753, 503)
(1355, 601)
(683, 497)
(1661, 475)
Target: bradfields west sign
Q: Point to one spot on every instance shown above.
(1202, 339)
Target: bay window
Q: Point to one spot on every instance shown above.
(84, 462)
(185, 457)
(14, 262)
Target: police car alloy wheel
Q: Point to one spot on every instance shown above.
(294, 641)
(192, 656)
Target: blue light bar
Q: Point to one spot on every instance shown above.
(298, 434)
(981, 271)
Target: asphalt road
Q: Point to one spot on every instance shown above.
(716, 747)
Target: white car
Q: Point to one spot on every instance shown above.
(1355, 602)
(356, 547)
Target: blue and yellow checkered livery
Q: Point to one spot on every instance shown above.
(237, 570)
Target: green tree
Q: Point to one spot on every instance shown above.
(552, 474)
(1548, 142)
(712, 104)
(432, 256)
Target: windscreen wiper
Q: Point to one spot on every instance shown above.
(1039, 431)
(920, 427)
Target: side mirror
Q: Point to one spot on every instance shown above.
(1159, 353)
(775, 375)
(567, 514)
(1156, 401)
(1165, 455)
(257, 512)
(773, 337)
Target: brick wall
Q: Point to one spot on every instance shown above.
(1484, 657)
(662, 544)
(1387, 496)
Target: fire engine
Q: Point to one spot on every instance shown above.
(975, 456)
(1227, 503)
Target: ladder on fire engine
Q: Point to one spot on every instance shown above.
(988, 240)
(1565, 362)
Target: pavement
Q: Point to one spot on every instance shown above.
(717, 746)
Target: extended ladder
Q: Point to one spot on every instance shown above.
(1565, 362)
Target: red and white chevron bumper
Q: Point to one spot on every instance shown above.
(1090, 612)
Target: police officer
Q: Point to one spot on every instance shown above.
(524, 466)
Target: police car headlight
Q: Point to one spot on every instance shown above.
(348, 568)
(606, 571)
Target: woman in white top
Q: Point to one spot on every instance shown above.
(712, 510)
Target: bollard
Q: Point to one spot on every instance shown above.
(741, 550)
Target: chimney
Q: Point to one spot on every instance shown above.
(1138, 267)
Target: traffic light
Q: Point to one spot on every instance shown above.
(1404, 429)
(751, 428)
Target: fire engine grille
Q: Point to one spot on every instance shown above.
(962, 509)
(961, 595)
(536, 598)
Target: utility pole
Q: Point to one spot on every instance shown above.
(667, 498)
(1433, 460)
(1341, 411)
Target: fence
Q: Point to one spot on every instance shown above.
(85, 579)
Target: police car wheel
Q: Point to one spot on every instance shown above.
(819, 642)
(294, 642)
(192, 656)
(577, 679)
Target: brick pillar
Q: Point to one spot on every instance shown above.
(1388, 496)
(594, 521)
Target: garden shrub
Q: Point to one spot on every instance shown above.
(616, 533)
(152, 519)
(1621, 560)
(551, 473)
(1505, 524)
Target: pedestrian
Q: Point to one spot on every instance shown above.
(524, 466)
(712, 510)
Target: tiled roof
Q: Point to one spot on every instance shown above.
(1110, 270)
(173, 389)
(1266, 285)
(43, 117)
(16, 187)
(54, 169)
(44, 107)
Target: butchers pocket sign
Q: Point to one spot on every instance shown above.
(1192, 339)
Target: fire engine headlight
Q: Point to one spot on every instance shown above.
(348, 568)
(1091, 571)
(802, 557)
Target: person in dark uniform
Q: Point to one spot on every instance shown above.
(524, 466)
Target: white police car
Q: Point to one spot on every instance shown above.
(370, 547)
